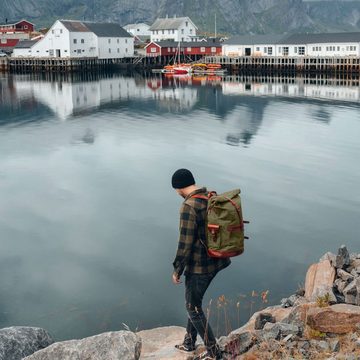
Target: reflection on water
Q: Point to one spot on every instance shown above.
(88, 219)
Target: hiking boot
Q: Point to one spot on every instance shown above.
(185, 347)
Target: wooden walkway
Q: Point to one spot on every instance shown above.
(288, 64)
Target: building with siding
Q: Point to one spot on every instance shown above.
(175, 29)
(14, 31)
(69, 38)
(296, 45)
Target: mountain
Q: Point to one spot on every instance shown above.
(233, 16)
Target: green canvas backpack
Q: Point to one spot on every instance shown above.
(225, 224)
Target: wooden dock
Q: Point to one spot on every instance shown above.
(3, 64)
(255, 64)
(52, 64)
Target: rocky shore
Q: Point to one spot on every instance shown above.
(320, 321)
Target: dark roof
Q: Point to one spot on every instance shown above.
(25, 44)
(107, 29)
(168, 23)
(99, 29)
(322, 38)
(183, 44)
(75, 26)
(254, 39)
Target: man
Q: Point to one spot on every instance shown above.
(199, 268)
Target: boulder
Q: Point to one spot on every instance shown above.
(279, 331)
(19, 341)
(336, 319)
(340, 285)
(324, 291)
(344, 275)
(342, 258)
(329, 256)
(278, 312)
(160, 343)
(262, 319)
(320, 275)
(350, 293)
(237, 344)
(120, 345)
(298, 315)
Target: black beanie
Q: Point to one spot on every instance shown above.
(182, 178)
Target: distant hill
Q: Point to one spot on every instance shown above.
(233, 16)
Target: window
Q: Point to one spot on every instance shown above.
(51, 52)
(3, 41)
(173, 49)
(169, 49)
(25, 26)
(79, 51)
(338, 48)
(109, 41)
(269, 50)
(280, 49)
(82, 41)
(168, 31)
(118, 50)
(126, 50)
(265, 50)
(153, 50)
(182, 39)
(301, 50)
(53, 31)
(186, 23)
(202, 49)
(117, 40)
(109, 51)
(213, 49)
(126, 41)
(258, 48)
(163, 32)
(190, 31)
(61, 31)
(173, 31)
(188, 49)
(295, 50)
(75, 41)
(313, 48)
(285, 50)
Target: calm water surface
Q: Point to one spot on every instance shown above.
(88, 219)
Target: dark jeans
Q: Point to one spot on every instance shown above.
(195, 287)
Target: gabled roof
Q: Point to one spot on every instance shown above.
(184, 44)
(107, 29)
(322, 38)
(254, 39)
(14, 22)
(75, 26)
(128, 26)
(25, 44)
(99, 29)
(169, 23)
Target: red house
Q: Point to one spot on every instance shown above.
(192, 50)
(22, 26)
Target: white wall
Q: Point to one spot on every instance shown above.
(182, 33)
(115, 48)
(138, 29)
(83, 44)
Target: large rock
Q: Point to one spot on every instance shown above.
(17, 342)
(342, 258)
(337, 319)
(350, 292)
(298, 316)
(120, 345)
(159, 343)
(237, 344)
(319, 276)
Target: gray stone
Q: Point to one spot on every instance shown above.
(345, 276)
(270, 332)
(350, 293)
(350, 357)
(334, 345)
(329, 256)
(237, 344)
(357, 342)
(354, 273)
(262, 319)
(19, 341)
(342, 258)
(279, 330)
(120, 345)
(288, 337)
(340, 298)
(340, 285)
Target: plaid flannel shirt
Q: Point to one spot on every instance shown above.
(192, 254)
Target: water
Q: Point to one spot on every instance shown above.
(88, 219)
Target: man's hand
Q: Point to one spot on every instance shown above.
(176, 279)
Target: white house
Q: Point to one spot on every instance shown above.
(251, 45)
(140, 29)
(176, 29)
(70, 38)
(296, 45)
